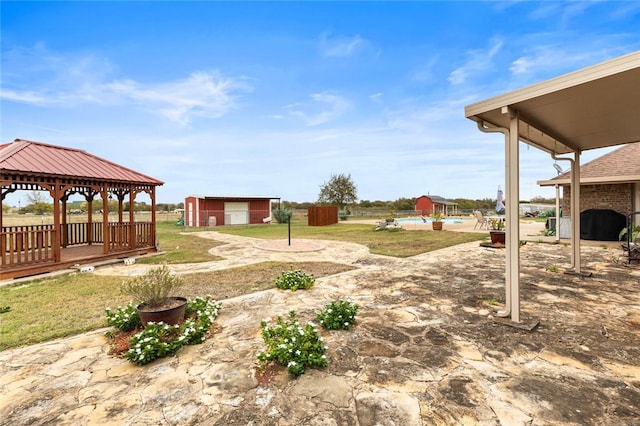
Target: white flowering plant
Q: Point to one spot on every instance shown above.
(124, 318)
(294, 280)
(338, 315)
(157, 340)
(292, 345)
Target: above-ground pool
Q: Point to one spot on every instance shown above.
(419, 221)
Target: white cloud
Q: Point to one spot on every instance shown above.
(478, 61)
(341, 47)
(86, 79)
(552, 57)
(27, 97)
(376, 97)
(328, 106)
(206, 94)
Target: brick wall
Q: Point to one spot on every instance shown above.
(617, 197)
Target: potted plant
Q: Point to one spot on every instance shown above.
(392, 216)
(436, 221)
(497, 232)
(152, 291)
(632, 245)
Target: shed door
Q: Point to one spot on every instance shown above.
(236, 213)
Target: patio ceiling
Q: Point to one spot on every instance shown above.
(594, 107)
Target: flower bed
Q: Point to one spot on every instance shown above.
(158, 340)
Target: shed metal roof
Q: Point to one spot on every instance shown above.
(440, 200)
(39, 158)
(235, 197)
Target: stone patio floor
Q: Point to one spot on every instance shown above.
(426, 349)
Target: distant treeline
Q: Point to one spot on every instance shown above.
(41, 207)
(403, 204)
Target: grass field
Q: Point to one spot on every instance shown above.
(48, 308)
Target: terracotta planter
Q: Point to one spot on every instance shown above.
(498, 237)
(171, 315)
(436, 226)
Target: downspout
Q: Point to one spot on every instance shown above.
(507, 305)
(572, 161)
(575, 212)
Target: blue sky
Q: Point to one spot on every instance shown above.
(272, 98)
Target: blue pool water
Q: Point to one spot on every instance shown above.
(418, 221)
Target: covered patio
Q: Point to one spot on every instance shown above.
(33, 249)
(591, 108)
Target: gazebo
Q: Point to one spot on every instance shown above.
(595, 107)
(33, 249)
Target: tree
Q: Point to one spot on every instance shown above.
(339, 190)
(35, 197)
(404, 204)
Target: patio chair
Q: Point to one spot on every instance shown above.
(481, 220)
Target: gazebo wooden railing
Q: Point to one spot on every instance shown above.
(24, 245)
(32, 245)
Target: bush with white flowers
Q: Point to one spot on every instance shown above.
(294, 280)
(292, 345)
(338, 315)
(158, 340)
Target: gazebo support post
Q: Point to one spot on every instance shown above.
(105, 221)
(64, 238)
(152, 193)
(89, 198)
(55, 193)
(132, 224)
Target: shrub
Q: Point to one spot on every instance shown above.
(343, 215)
(153, 287)
(282, 215)
(292, 345)
(338, 315)
(294, 280)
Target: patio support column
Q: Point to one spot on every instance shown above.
(557, 213)
(575, 212)
(512, 266)
(512, 173)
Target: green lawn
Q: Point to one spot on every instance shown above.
(399, 244)
(48, 308)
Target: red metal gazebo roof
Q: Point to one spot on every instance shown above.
(40, 158)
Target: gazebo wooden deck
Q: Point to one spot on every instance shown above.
(33, 249)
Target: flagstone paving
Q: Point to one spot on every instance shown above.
(425, 350)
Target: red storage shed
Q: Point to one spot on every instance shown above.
(216, 210)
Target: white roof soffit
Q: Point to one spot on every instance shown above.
(593, 180)
(594, 107)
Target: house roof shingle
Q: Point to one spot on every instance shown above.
(621, 165)
(36, 157)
